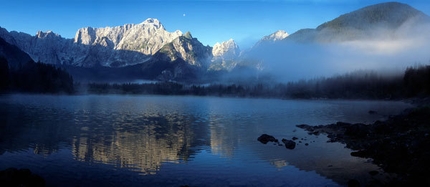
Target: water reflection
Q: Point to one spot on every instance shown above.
(223, 139)
(200, 137)
(279, 163)
(143, 142)
(23, 127)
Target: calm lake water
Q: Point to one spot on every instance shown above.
(177, 141)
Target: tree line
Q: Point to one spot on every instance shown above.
(415, 82)
(34, 77)
(174, 88)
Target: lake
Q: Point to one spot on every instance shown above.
(180, 140)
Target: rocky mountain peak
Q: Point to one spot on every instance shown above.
(278, 35)
(188, 35)
(117, 46)
(153, 22)
(270, 39)
(139, 41)
(41, 34)
(226, 49)
(225, 55)
(188, 49)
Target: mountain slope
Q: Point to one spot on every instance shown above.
(388, 15)
(188, 49)
(185, 58)
(274, 37)
(272, 43)
(380, 20)
(15, 57)
(18, 72)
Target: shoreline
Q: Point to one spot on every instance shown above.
(399, 144)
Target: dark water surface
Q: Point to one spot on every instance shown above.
(174, 141)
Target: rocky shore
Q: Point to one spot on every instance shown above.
(20, 177)
(399, 145)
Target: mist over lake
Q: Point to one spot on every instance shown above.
(179, 140)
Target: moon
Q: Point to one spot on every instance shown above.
(183, 15)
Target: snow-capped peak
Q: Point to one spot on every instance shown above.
(153, 22)
(278, 35)
(228, 48)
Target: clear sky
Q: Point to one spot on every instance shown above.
(211, 21)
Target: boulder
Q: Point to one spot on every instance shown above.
(264, 138)
(289, 144)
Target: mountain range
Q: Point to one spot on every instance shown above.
(147, 51)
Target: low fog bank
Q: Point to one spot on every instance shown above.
(413, 82)
(385, 51)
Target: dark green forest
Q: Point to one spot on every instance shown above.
(34, 77)
(415, 82)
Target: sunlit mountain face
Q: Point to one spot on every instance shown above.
(372, 37)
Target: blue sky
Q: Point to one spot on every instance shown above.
(245, 21)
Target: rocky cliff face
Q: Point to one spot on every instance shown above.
(147, 48)
(188, 49)
(226, 50)
(225, 55)
(125, 45)
(185, 58)
(46, 47)
(120, 46)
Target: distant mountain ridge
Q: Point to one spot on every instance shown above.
(116, 47)
(150, 51)
(362, 23)
(388, 15)
(119, 46)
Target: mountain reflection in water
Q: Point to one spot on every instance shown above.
(135, 142)
(171, 141)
